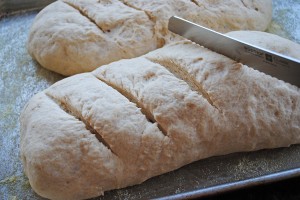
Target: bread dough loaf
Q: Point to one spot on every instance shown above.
(134, 119)
(74, 36)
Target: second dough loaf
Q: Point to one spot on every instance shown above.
(74, 36)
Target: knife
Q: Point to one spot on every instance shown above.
(280, 66)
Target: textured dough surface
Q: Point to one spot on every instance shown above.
(74, 36)
(137, 118)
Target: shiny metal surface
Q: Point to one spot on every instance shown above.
(272, 63)
(236, 185)
(21, 78)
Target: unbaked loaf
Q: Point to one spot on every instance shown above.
(137, 118)
(74, 36)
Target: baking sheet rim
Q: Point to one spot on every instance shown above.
(232, 186)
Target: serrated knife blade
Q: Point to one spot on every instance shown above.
(280, 66)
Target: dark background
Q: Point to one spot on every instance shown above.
(283, 190)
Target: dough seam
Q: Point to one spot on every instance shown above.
(196, 3)
(151, 18)
(84, 15)
(244, 3)
(149, 116)
(138, 9)
(63, 106)
(183, 75)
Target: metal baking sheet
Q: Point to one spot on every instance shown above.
(21, 78)
(14, 6)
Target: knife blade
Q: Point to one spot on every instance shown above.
(269, 62)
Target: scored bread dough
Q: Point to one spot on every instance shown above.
(137, 118)
(74, 36)
(65, 40)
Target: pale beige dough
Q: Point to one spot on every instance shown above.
(74, 36)
(137, 118)
(64, 40)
